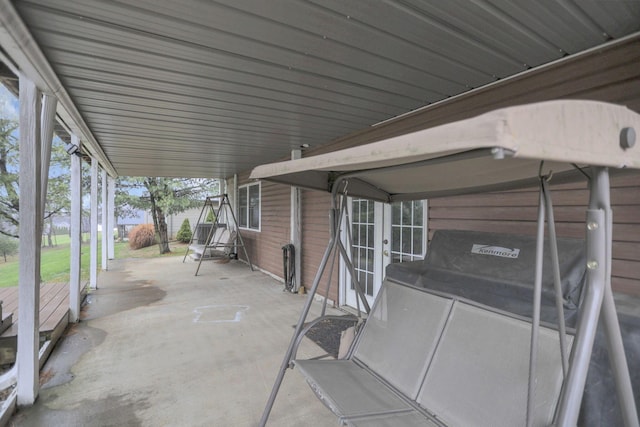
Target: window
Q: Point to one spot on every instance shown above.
(407, 229)
(249, 206)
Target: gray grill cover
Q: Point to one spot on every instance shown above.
(498, 282)
(496, 263)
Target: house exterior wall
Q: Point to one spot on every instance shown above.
(315, 237)
(265, 246)
(516, 212)
(512, 212)
(610, 75)
(174, 222)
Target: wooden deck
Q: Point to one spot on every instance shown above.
(54, 318)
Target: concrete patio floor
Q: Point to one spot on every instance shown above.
(158, 346)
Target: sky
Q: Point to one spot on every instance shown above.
(9, 105)
(10, 108)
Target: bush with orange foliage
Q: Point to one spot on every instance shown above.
(141, 236)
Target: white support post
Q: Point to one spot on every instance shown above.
(105, 226)
(49, 103)
(111, 218)
(234, 192)
(296, 225)
(93, 252)
(76, 234)
(30, 239)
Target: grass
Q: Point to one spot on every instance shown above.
(54, 263)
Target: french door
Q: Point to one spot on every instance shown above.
(380, 234)
(366, 255)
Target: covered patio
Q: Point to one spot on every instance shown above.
(213, 89)
(159, 346)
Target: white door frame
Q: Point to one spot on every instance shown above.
(382, 249)
(347, 295)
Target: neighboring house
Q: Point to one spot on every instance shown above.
(264, 208)
(125, 224)
(175, 221)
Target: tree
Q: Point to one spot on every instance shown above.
(8, 246)
(184, 234)
(164, 196)
(9, 195)
(57, 200)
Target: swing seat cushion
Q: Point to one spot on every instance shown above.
(422, 357)
(479, 374)
(348, 389)
(221, 242)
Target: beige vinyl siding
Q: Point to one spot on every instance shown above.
(610, 75)
(516, 212)
(315, 237)
(265, 246)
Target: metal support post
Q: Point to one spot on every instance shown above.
(573, 388)
(557, 282)
(296, 227)
(610, 321)
(535, 321)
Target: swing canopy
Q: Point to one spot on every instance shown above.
(499, 150)
(504, 149)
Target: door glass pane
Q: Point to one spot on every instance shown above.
(417, 241)
(363, 243)
(406, 213)
(396, 212)
(406, 240)
(407, 231)
(418, 208)
(355, 234)
(395, 239)
(369, 260)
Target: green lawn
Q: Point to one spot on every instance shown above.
(55, 261)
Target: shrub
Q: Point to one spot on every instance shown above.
(141, 236)
(8, 246)
(184, 234)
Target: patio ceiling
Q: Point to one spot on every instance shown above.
(208, 89)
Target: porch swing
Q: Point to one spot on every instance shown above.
(479, 333)
(219, 238)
